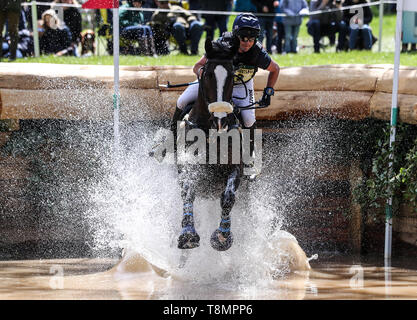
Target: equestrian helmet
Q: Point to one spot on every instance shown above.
(246, 25)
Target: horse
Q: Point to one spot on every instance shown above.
(213, 110)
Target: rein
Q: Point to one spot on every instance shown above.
(244, 84)
(254, 105)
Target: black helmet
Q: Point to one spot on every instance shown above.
(246, 25)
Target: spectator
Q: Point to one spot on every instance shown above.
(161, 27)
(327, 23)
(55, 36)
(244, 6)
(25, 43)
(179, 23)
(404, 48)
(267, 22)
(25, 47)
(358, 22)
(104, 20)
(39, 10)
(147, 15)
(72, 19)
(409, 31)
(292, 22)
(229, 8)
(10, 11)
(195, 5)
(133, 29)
(279, 30)
(392, 7)
(88, 45)
(339, 25)
(214, 21)
(23, 21)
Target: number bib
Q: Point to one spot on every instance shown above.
(245, 73)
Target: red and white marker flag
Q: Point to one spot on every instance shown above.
(101, 4)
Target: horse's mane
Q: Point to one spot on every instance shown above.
(219, 50)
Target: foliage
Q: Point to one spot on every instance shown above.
(391, 171)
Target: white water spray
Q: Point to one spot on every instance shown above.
(141, 202)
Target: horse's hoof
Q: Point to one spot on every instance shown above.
(219, 242)
(188, 239)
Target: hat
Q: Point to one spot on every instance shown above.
(246, 25)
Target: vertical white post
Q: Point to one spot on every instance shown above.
(394, 114)
(96, 39)
(381, 23)
(60, 10)
(35, 28)
(387, 278)
(116, 96)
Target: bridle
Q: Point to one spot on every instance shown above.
(222, 62)
(254, 105)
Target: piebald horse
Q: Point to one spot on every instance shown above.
(212, 112)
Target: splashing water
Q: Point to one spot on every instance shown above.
(138, 206)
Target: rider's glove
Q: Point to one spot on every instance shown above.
(266, 97)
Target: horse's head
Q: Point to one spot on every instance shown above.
(216, 83)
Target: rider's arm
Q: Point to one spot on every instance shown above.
(197, 67)
(273, 69)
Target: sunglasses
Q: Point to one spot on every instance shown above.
(246, 39)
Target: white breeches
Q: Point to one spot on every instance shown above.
(191, 93)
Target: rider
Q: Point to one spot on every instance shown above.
(249, 57)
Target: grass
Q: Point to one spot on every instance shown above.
(303, 58)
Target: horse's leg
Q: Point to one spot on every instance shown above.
(188, 238)
(222, 237)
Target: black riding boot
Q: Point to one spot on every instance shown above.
(251, 165)
(175, 119)
(252, 138)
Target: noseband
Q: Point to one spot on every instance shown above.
(228, 65)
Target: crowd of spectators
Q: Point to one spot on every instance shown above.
(10, 13)
(158, 31)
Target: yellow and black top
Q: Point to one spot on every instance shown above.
(246, 63)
